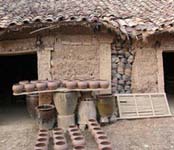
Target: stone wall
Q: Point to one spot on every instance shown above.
(122, 60)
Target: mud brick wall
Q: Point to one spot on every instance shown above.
(122, 60)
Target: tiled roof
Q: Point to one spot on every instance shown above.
(129, 15)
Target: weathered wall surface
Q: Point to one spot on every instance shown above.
(75, 57)
(145, 71)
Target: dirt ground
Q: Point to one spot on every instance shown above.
(18, 132)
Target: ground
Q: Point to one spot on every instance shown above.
(18, 132)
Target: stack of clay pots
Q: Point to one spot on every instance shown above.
(122, 60)
(59, 139)
(77, 138)
(42, 141)
(99, 135)
(41, 85)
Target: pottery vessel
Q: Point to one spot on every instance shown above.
(101, 138)
(61, 145)
(46, 116)
(18, 88)
(82, 84)
(34, 81)
(32, 102)
(71, 84)
(104, 84)
(93, 125)
(99, 134)
(78, 141)
(93, 84)
(29, 87)
(104, 144)
(52, 85)
(58, 130)
(41, 146)
(72, 127)
(41, 86)
(105, 105)
(97, 129)
(23, 82)
(79, 148)
(106, 148)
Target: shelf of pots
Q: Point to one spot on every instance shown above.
(47, 86)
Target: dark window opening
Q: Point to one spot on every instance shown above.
(12, 70)
(168, 64)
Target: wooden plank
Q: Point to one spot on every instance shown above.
(144, 105)
(60, 90)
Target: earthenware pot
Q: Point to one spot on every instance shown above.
(104, 144)
(18, 88)
(93, 84)
(46, 116)
(32, 102)
(43, 140)
(99, 134)
(71, 84)
(72, 127)
(61, 145)
(93, 125)
(43, 135)
(73, 131)
(79, 147)
(52, 85)
(34, 81)
(76, 134)
(82, 84)
(104, 84)
(41, 86)
(78, 141)
(101, 138)
(41, 146)
(105, 105)
(58, 130)
(94, 130)
(29, 87)
(58, 133)
(24, 82)
(106, 148)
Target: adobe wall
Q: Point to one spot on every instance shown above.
(67, 56)
(147, 70)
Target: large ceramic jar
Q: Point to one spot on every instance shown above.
(105, 105)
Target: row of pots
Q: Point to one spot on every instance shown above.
(41, 85)
(42, 140)
(99, 135)
(59, 139)
(77, 138)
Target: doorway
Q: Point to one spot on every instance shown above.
(12, 70)
(168, 64)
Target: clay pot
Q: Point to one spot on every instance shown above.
(71, 84)
(58, 130)
(73, 131)
(104, 84)
(72, 127)
(46, 116)
(78, 141)
(93, 84)
(44, 135)
(105, 105)
(104, 145)
(106, 148)
(61, 145)
(52, 85)
(43, 131)
(76, 134)
(82, 84)
(18, 88)
(41, 146)
(94, 130)
(79, 147)
(93, 125)
(29, 87)
(42, 140)
(32, 102)
(56, 134)
(99, 134)
(34, 81)
(41, 86)
(23, 82)
(101, 138)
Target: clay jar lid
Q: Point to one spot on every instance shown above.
(71, 84)
(29, 87)
(18, 88)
